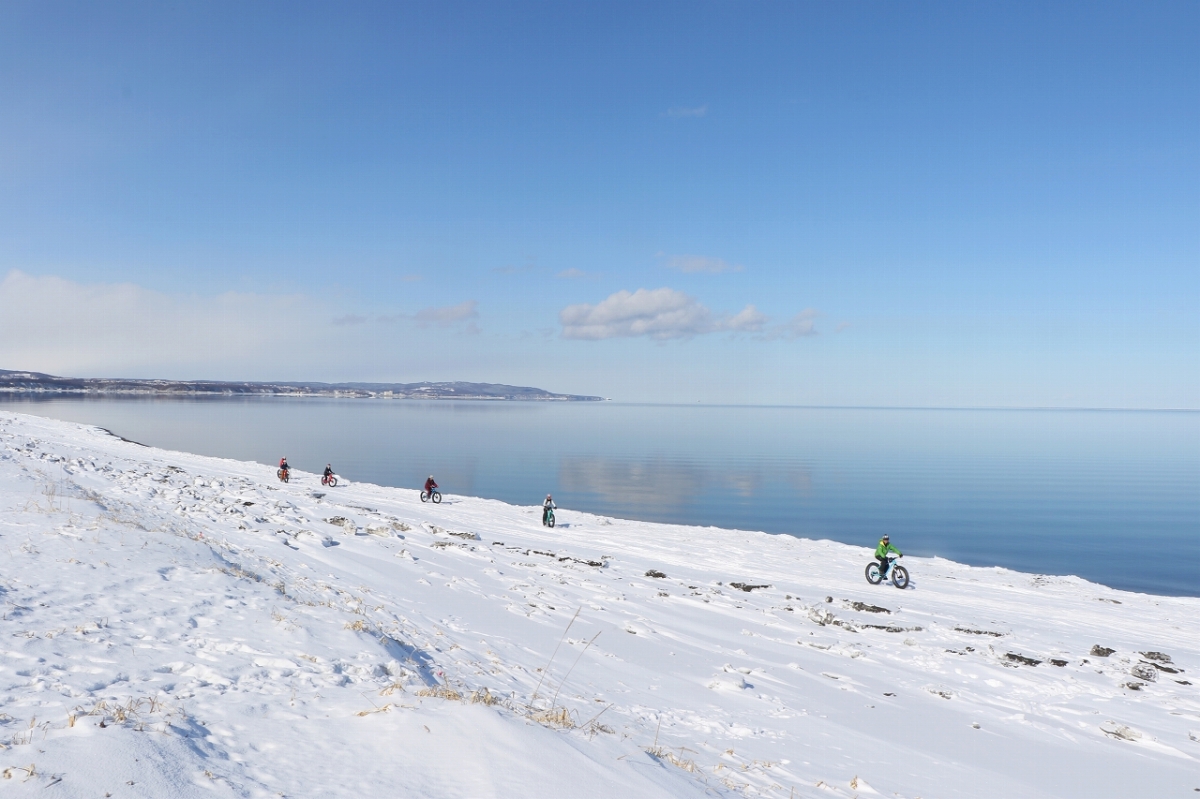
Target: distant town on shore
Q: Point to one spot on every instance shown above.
(13, 382)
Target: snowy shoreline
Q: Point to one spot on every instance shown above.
(187, 626)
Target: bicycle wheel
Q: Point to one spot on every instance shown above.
(332, 481)
(550, 519)
(900, 576)
(437, 497)
(873, 575)
(424, 497)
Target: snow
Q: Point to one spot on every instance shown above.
(177, 625)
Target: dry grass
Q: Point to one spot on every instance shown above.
(30, 771)
(441, 692)
(679, 761)
(593, 727)
(483, 696)
(557, 717)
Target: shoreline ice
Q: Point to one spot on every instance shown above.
(180, 625)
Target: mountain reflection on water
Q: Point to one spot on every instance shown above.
(649, 485)
(1054, 492)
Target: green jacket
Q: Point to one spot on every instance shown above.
(883, 549)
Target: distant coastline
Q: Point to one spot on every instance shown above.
(14, 382)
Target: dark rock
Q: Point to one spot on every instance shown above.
(1101, 651)
(978, 632)
(1057, 662)
(1144, 671)
(656, 574)
(1022, 659)
(891, 628)
(1159, 656)
(747, 587)
(868, 608)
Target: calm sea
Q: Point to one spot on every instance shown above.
(1110, 496)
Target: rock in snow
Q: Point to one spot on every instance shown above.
(182, 626)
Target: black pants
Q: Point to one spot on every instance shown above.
(883, 564)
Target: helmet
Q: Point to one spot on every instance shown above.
(431, 477)
(886, 537)
(547, 496)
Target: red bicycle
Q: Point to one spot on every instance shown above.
(329, 480)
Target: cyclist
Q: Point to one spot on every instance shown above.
(881, 553)
(430, 485)
(283, 464)
(328, 473)
(547, 506)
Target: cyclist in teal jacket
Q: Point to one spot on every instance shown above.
(881, 553)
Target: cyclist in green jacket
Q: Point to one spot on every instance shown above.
(881, 553)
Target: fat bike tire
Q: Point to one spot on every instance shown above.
(424, 496)
(330, 481)
(550, 519)
(282, 475)
(436, 497)
(873, 575)
(900, 577)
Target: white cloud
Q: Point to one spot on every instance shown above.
(749, 319)
(800, 325)
(684, 112)
(698, 263)
(55, 325)
(572, 273)
(50, 324)
(444, 317)
(656, 313)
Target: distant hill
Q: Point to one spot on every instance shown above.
(34, 382)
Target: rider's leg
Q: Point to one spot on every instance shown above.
(883, 565)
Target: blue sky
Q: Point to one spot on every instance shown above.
(814, 203)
